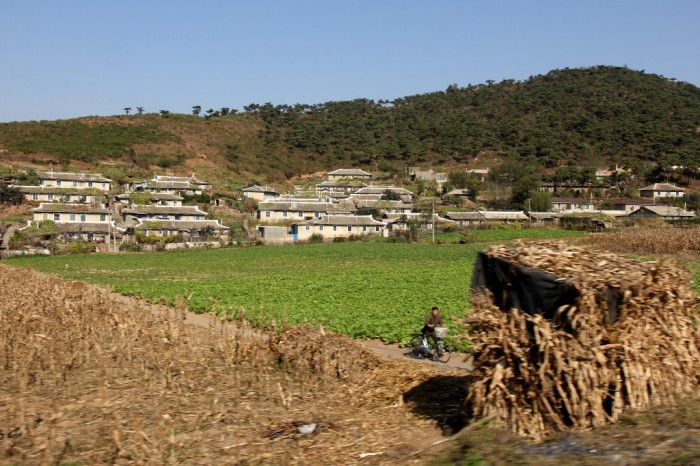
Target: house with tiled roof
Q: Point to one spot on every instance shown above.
(189, 230)
(89, 222)
(41, 194)
(260, 193)
(348, 173)
(339, 186)
(630, 205)
(337, 226)
(53, 179)
(147, 198)
(134, 213)
(465, 218)
(661, 190)
(561, 204)
(662, 211)
(300, 209)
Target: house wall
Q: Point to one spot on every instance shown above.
(49, 197)
(77, 184)
(77, 217)
(304, 232)
(266, 216)
(655, 194)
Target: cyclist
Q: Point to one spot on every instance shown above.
(433, 320)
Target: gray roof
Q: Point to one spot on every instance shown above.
(383, 189)
(426, 218)
(164, 209)
(571, 200)
(63, 176)
(154, 196)
(55, 190)
(662, 187)
(302, 206)
(666, 211)
(341, 184)
(181, 225)
(349, 172)
(464, 216)
(259, 189)
(71, 208)
(503, 215)
(380, 203)
(82, 227)
(361, 220)
(185, 179)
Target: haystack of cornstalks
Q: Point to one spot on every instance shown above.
(578, 370)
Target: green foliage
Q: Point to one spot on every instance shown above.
(390, 195)
(158, 240)
(192, 199)
(80, 139)
(10, 196)
(141, 198)
(79, 247)
(540, 201)
(365, 290)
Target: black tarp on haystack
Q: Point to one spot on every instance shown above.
(514, 285)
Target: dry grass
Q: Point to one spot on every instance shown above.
(662, 239)
(578, 369)
(88, 378)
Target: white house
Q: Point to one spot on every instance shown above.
(190, 230)
(560, 204)
(349, 173)
(147, 198)
(260, 193)
(299, 209)
(53, 179)
(134, 213)
(338, 226)
(661, 190)
(65, 195)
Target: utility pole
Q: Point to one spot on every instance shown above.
(432, 220)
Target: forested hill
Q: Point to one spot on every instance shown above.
(589, 116)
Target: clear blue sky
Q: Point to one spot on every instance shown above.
(71, 58)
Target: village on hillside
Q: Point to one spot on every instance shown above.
(171, 212)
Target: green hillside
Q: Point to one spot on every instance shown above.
(591, 116)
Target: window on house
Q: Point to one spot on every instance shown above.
(56, 217)
(35, 197)
(364, 228)
(104, 185)
(267, 214)
(58, 183)
(178, 217)
(317, 214)
(103, 217)
(335, 228)
(89, 184)
(376, 228)
(300, 214)
(320, 228)
(72, 217)
(284, 214)
(50, 197)
(308, 228)
(75, 184)
(82, 217)
(349, 228)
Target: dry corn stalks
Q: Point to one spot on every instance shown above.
(578, 370)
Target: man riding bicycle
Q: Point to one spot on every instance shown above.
(433, 320)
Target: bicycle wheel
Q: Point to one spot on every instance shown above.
(416, 346)
(444, 355)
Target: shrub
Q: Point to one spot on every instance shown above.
(316, 238)
(79, 247)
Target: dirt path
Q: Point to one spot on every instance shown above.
(457, 361)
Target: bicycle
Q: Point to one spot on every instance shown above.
(424, 346)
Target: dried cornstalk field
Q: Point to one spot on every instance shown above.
(662, 239)
(581, 368)
(87, 378)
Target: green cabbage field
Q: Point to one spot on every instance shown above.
(364, 290)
